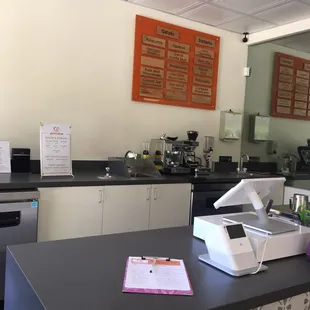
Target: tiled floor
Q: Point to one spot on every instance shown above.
(299, 302)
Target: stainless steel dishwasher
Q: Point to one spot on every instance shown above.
(18, 222)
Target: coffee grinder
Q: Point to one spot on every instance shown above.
(188, 148)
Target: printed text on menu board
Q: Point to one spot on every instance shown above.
(55, 150)
(291, 87)
(174, 65)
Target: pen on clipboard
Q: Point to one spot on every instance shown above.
(154, 261)
(153, 267)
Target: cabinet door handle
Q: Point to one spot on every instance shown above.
(100, 196)
(155, 193)
(148, 192)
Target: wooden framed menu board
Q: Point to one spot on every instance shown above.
(174, 65)
(291, 87)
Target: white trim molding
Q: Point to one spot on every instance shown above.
(279, 32)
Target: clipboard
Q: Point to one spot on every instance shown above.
(156, 275)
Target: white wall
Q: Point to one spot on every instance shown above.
(289, 133)
(70, 61)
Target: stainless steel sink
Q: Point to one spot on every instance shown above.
(245, 174)
(242, 175)
(141, 175)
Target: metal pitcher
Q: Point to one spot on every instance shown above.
(297, 201)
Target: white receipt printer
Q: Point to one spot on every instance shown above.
(236, 243)
(230, 250)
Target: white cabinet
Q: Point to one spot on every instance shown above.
(141, 207)
(126, 208)
(69, 212)
(72, 212)
(170, 205)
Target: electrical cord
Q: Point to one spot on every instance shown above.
(263, 255)
(199, 159)
(192, 154)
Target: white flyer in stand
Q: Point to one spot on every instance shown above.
(5, 157)
(55, 150)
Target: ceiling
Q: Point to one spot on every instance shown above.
(235, 15)
(299, 42)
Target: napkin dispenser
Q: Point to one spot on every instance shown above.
(20, 160)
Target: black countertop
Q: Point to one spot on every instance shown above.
(25, 180)
(88, 273)
(87, 171)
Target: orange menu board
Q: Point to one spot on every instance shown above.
(174, 65)
(291, 87)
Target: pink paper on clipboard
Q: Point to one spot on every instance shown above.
(156, 275)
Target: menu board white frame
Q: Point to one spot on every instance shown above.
(55, 150)
(5, 157)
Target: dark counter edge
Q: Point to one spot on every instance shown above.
(35, 181)
(26, 181)
(86, 172)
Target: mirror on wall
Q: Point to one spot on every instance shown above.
(288, 92)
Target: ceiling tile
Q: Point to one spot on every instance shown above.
(301, 38)
(299, 42)
(282, 41)
(210, 14)
(297, 46)
(300, 47)
(246, 24)
(247, 6)
(169, 6)
(189, 7)
(294, 38)
(286, 13)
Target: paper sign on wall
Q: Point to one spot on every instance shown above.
(5, 158)
(55, 150)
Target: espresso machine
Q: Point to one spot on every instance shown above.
(173, 162)
(181, 159)
(304, 155)
(178, 156)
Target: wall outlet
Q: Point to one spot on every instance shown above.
(247, 71)
(272, 147)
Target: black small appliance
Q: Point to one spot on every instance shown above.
(20, 160)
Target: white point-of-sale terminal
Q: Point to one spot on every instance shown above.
(239, 243)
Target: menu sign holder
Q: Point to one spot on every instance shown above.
(55, 150)
(174, 65)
